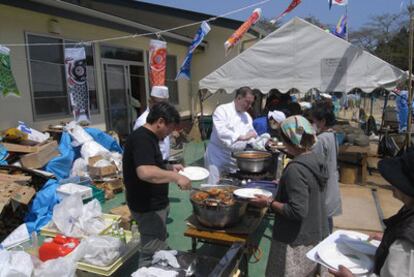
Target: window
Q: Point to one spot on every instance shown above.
(170, 81)
(50, 95)
(116, 53)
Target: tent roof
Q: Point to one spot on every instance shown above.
(301, 55)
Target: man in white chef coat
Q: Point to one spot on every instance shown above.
(232, 130)
(158, 94)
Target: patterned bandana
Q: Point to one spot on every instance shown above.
(294, 127)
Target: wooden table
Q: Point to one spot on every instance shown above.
(362, 155)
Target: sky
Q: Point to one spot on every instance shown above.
(359, 11)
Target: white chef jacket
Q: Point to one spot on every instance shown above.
(228, 126)
(164, 144)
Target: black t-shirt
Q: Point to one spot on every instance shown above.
(142, 148)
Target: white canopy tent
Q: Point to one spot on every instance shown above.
(301, 55)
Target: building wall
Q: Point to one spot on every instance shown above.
(16, 22)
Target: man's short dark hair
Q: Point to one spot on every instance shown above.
(165, 111)
(243, 91)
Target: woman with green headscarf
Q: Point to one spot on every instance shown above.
(299, 205)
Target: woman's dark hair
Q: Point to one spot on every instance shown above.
(165, 111)
(324, 110)
(294, 108)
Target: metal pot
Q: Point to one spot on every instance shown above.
(253, 161)
(219, 216)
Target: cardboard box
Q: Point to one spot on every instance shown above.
(42, 157)
(17, 178)
(24, 148)
(100, 171)
(18, 193)
(125, 214)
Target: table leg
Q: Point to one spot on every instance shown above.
(364, 169)
(194, 245)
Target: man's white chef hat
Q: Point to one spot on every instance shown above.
(278, 116)
(160, 92)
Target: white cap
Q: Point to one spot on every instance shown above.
(160, 92)
(278, 116)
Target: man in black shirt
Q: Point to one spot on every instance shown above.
(146, 178)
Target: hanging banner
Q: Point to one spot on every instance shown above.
(7, 83)
(291, 7)
(158, 61)
(337, 2)
(235, 38)
(340, 29)
(185, 72)
(75, 65)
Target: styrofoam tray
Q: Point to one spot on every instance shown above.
(50, 230)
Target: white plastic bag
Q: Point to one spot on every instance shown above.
(79, 168)
(166, 255)
(15, 264)
(154, 272)
(19, 235)
(102, 250)
(74, 219)
(78, 134)
(92, 148)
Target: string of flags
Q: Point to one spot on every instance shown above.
(290, 8)
(185, 72)
(235, 38)
(7, 83)
(337, 2)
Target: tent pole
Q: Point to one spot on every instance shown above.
(346, 22)
(201, 121)
(410, 70)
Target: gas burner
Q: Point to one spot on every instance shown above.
(240, 177)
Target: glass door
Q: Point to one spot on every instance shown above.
(117, 90)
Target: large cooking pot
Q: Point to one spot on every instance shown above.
(253, 161)
(219, 216)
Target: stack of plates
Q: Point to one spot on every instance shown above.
(337, 254)
(348, 248)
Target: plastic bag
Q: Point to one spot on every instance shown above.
(102, 250)
(154, 272)
(78, 134)
(74, 219)
(15, 263)
(62, 267)
(79, 168)
(166, 255)
(92, 148)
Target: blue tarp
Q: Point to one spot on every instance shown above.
(41, 209)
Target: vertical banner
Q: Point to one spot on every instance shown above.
(7, 83)
(75, 65)
(235, 38)
(157, 61)
(185, 69)
(340, 29)
(291, 7)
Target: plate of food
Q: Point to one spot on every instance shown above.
(195, 173)
(250, 193)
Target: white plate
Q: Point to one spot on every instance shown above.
(336, 254)
(249, 193)
(361, 245)
(195, 173)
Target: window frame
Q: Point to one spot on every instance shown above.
(37, 117)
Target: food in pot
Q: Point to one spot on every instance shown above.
(256, 155)
(214, 197)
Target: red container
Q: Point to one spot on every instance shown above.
(60, 246)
